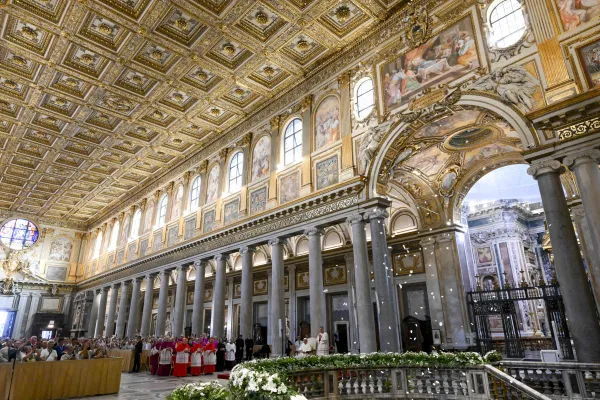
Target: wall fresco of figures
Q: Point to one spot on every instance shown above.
(289, 187)
(589, 56)
(258, 200)
(208, 219)
(327, 172)
(60, 249)
(261, 158)
(231, 211)
(148, 223)
(212, 185)
(327, 122)
(448, 55)
(177, 203)
(574, 13)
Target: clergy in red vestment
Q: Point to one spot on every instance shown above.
(210, 357)
(182, 359)
(196, 361)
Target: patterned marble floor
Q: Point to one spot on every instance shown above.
(142, 386)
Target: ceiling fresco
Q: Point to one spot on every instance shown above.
(434, 156)
(96, 97)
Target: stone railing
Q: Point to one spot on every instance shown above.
(557, 380)
(476, 383)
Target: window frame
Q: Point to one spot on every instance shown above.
(290, 132)
(114, 236)
(197, 180)
(98, 245)
(135, 227)
(357, 86)
(494, 6)
(29, 228)
(161, 215)
(239, 177)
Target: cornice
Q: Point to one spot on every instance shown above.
(53, 222)
(328, 69)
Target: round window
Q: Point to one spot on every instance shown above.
(19, 234)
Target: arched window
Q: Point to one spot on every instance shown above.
(113, 236)
(98, 245)
(135, 224)
(162, 210)
(195, 194)
(507, 23)
(235, 171)
(365, 101)
(292, 142)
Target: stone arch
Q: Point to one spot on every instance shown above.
(400, 126)
(301, 245)
(332, 238)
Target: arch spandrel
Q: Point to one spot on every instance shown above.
(425, 160)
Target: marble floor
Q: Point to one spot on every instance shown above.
(143, 386)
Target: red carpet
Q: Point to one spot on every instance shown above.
(223, 376)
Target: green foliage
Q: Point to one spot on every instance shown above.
(200, 391)
(492, 357)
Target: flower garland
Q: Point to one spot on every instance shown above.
(268, 378)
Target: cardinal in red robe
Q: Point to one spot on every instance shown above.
(182, 360)
(210, 356)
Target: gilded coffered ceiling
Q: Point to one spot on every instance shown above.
(98, 96)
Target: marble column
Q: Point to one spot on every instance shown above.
(579, 302)
(99, 330)
(217, 325)
(588, 248)
(112, 310)
(33, 308)
(93, 315)
(433, 282)
(389, 334)
(247, 286)
(315, 274)
(230, 319)
(198, 307)
(19, 328)
(277, 297)
(292, 302)
(269, 303)
(585, 166)
(120, 331)
(134, 307)
(179, 310)
(367, 336)
(353, 346)
(148, 300)
(163, 297)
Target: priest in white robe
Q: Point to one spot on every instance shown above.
(322, 342)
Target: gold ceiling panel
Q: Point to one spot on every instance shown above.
(99, 97)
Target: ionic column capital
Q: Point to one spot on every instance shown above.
(115, 285)
(138, 279)
(291, 269)
(427, 241)
(377, 213)
(545, 167)
(221, 257)
(276, 241)
(582, 157)
(314, 231)
(355, 218)
(151, 275)
(200, 263)
(247, 249)
(182, 268)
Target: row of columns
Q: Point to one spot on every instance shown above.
(580, 305)
(361, 293)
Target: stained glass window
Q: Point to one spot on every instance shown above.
(19, 234)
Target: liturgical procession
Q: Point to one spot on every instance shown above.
(299, 199)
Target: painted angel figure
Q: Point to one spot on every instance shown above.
(514, 84)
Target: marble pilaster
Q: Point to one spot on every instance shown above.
(93, 320)
(292, 302)
(230, 312)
